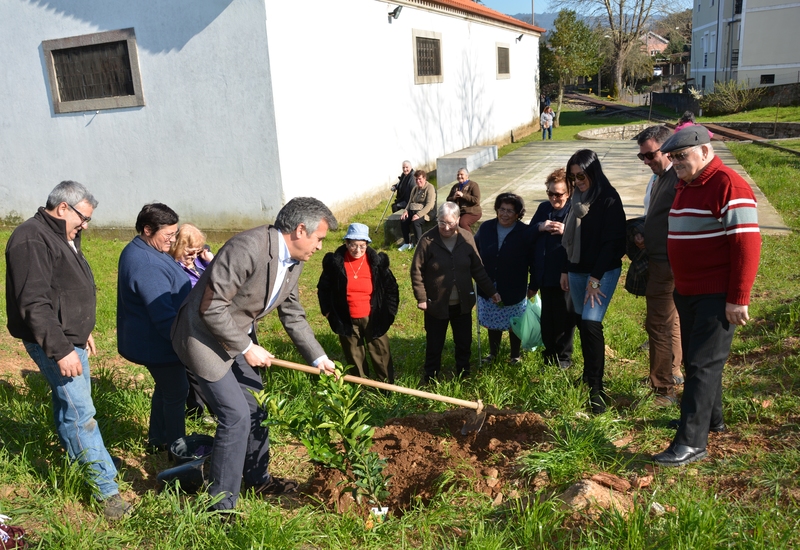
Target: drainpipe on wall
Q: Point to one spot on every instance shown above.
(533, 2)
(716, 46)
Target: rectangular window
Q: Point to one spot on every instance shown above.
(737, 7)
(703, 83)
(94, 71)
(427, 57)
(767, 79)
(712, 45)
(503, 61)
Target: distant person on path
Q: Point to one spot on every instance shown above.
(661, 322)
(467, 195)
(418, 211)
(253, 274)
(714, 247)
(403, 187)
(547, 122)
(359, 296)
(558, 314)
(51, 303)
(686, 120)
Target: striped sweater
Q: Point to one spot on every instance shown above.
(714, 243)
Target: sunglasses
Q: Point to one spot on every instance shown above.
(649, 156)
(579, 177)
(679, 156)
(555, 195)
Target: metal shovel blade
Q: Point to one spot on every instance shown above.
(475, 422)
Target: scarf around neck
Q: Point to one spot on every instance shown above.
(580, 203)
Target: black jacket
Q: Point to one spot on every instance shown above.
(50, 291)
(403, 188)
(508, 267)
(602, 236)
(332, 293)
(549, 255)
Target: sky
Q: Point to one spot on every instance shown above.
(517, 6)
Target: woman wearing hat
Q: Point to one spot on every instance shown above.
(358, 294)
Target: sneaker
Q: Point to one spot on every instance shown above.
(404, 247)
(678, 380)
(515, 360)
(115, 508)
(411, 246)
(664, 400)
(488, 359)
(564, 365)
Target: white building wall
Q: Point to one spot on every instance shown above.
(197, 145)
(355, 92)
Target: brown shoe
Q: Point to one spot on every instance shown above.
(664, 401)
(276, 486)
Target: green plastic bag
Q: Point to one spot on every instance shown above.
(529, 325)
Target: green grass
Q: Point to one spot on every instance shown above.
(762, 114)
(745, 496)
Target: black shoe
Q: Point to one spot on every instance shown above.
(719, 428)
(679, 455)
(598, 400)
(117, 462)
(275, 486)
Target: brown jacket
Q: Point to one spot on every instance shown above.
(422, 201)
(470, 202)
(435, 270)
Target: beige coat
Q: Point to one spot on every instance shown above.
(422, 202)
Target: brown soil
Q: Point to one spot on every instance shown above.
(419, 449)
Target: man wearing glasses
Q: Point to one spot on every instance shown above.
(714, 247)
(661, 322)
(50, 302)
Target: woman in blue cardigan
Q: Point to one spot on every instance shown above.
(150, 289)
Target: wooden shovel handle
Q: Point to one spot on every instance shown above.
(382, 385)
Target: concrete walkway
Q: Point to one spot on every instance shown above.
(525, 170)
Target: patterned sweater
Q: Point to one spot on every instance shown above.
(714, 243)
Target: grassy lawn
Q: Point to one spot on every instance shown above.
(745, 495)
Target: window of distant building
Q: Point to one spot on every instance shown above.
(767, 79)
(94, 71)
(712, 45)
(503, 61)
(703, 83)
(427, 57)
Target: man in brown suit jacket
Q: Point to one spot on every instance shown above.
(214, 334)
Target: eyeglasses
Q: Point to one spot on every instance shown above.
(679, 156)
(649, 155)
(170, 236)
(579, 177)
(192, 251)
(84, 219)
(356, 246)
(447, 225)
(555, 195)
(506, 211)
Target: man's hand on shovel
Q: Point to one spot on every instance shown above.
(257, 356)
(326, 366)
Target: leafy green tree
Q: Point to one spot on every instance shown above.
(572, 52)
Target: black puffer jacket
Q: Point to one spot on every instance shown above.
(332, 293)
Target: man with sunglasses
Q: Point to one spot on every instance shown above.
(661, 322)
(714, 247)
(50, 302)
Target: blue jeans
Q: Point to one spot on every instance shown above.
(577, 289)
(73, 412)
(548, 131)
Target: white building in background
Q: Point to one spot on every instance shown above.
(225, 109)
(750, 41)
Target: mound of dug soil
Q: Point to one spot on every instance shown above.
(420, 448)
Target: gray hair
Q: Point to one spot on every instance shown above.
(307, 211)
(448, 208)
(659, 134)
(407, 162)
(70, 192)
(462, 169)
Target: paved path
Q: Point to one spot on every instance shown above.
(525, 170)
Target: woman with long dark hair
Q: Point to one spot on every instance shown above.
(594, 239)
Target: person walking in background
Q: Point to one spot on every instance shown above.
(444, 266)
(661, 322)
(467, 195)
(150, 289)
(558, 315)
(421, 203)
(403, 187)
(50, 305)
(359, 296)
(714, 247)
(546, 121)
(594, 239)
(506, 248)
(687, 119)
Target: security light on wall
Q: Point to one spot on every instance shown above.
(395, 13)
(520, 37)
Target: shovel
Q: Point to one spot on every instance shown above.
(473, 424)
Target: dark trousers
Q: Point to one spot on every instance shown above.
(496, 336)
(241, 444)
(168, 404)
(558, 325)
(407, 224)
(356, 346)
(663, 328)
(436, 331)
(593, 343)
(706, 337)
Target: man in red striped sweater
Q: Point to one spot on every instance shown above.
(714, 247)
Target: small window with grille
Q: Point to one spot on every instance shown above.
(503, 61)
(767, 79)
(94, 72)
(427, 57)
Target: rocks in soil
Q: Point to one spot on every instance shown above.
(593, 498)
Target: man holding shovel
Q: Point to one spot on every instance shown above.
(214, 334)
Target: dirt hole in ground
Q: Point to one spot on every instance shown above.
(419, 449)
